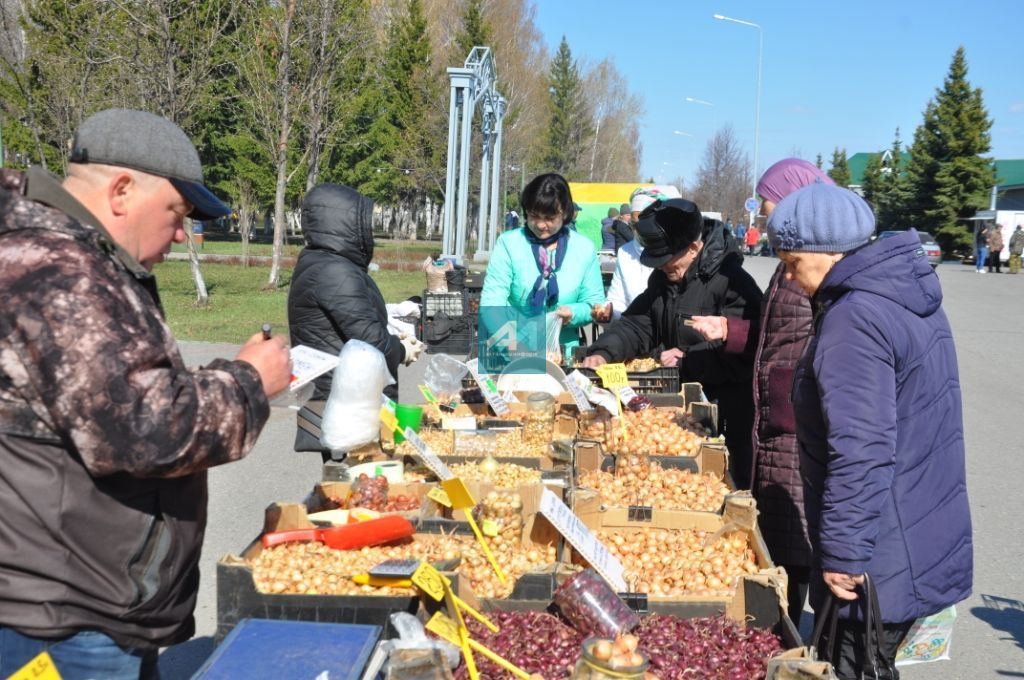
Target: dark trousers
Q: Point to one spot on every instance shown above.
(849, 656)
(796, 594)
(993, 261)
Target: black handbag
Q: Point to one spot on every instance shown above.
(874, 666)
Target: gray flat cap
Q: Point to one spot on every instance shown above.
(152, 144)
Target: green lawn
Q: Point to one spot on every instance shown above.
(383, 248)
(238, 303)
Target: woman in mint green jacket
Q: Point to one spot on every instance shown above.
(545, 266)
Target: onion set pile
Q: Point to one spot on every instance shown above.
(707, 648)
(710, 648)
(676, 562)
(501, 475)
(311, 568)
(653, 431)
(537, 642)
(651, 485)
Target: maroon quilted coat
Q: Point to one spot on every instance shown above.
(785, 330)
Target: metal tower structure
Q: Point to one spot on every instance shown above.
(474, 83)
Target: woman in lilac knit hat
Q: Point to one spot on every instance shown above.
(784, 332)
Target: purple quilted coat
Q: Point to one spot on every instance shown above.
(879, 417)
(785, 330)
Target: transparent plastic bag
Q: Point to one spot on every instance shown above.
(412, 635)
(553, 349)
(444, 376)
(352, 412)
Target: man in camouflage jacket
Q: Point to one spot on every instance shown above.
(105, 435)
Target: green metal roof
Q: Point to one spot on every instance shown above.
(1010, 172)
(858, 163)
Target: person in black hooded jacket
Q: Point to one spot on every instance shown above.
(332, 298)
(698, 271)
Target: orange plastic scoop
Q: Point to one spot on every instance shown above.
(348, 536)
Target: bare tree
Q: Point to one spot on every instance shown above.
(722, 178)
(615, 146)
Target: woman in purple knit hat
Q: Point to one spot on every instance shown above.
(784, 331)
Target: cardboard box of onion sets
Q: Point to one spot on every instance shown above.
(248, 587)
(712, 458)
(738, 557)
(407, 499)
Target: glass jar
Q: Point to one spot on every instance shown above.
(589, 667)
(538, 428)
(592, 607)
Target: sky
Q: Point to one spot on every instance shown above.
(833, 74)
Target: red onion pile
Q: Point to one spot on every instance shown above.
(372, 493)
(707, 648)
(537, 642)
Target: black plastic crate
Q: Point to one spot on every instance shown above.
(448, 334)
(664, 380)
(453, 304)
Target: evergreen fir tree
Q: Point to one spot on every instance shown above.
(840, 172)
(949, 177)
(871, 184)
(893, 196)
(819, 162)
(570, 127)
(475, 31)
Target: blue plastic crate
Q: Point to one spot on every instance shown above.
(278, 650)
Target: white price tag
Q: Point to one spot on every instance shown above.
(309, 363)
(578, 396)
(498, 405)
(577, 533)
(428, 457)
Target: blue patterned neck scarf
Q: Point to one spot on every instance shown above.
(545, 290)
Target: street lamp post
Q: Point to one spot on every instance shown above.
(757, 105)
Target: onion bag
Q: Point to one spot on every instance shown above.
(352, 413)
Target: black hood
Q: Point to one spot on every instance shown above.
(719, 247)
(339, 219)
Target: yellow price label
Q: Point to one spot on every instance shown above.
(438, 495)
(430, 581)
(388, 418)
(443, 627)
(458, 493)
(489, 528)
(613, 375)
(40, 667)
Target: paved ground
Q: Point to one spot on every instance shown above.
(987, 314)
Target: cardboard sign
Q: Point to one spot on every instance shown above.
(488, 389)
(41, 667)
(438, 495)
(388, 418)
(443, 627)
(428, 457)
(458, 494)
(430, 581)
(578, 396)
(428, 394)
(581, 538)
(308, 364)
(613, 375)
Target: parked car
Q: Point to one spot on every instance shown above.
(931, 248)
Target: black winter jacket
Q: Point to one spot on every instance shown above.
(623, 233)
(332, 297)
(715, 284)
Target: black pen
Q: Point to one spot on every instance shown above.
(266, 331)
